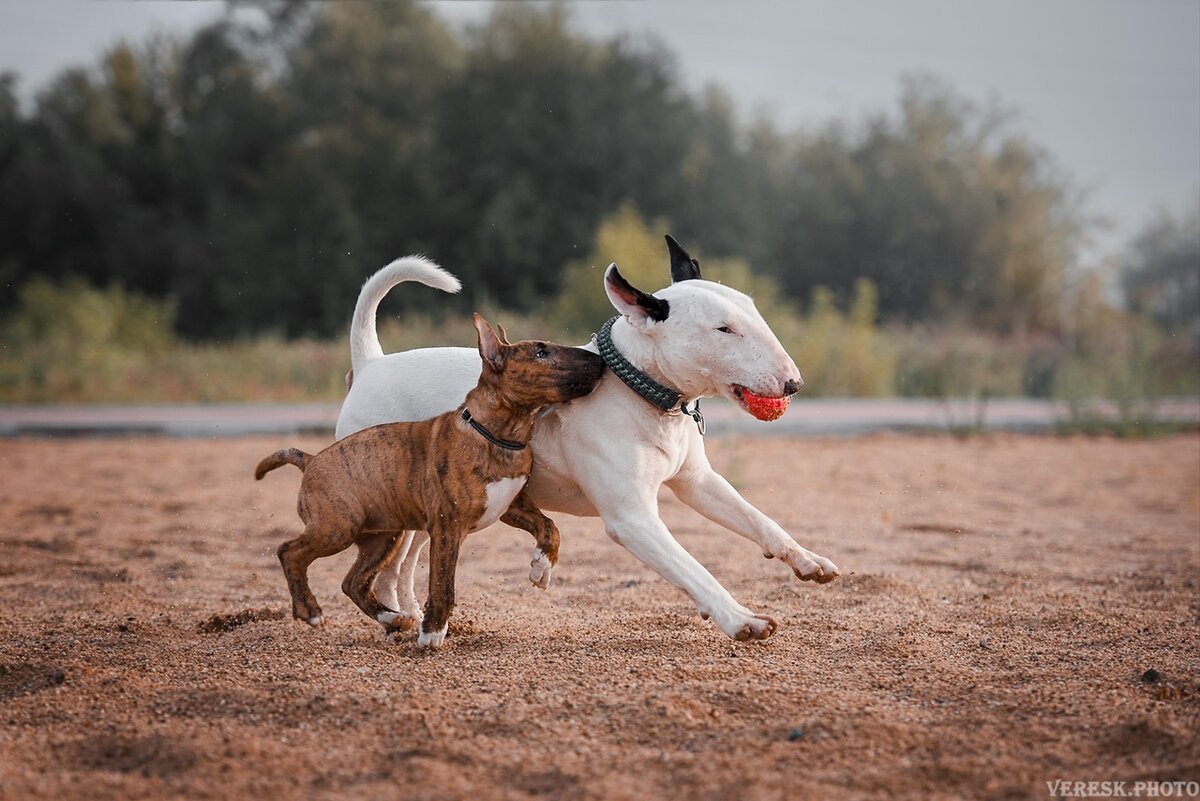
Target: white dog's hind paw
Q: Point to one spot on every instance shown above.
(394, 622)
(433, 639)
(540, 569)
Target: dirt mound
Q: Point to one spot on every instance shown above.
(229, 622)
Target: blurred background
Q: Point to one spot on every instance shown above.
(926, 199)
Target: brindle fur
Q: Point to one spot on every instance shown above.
(429, 476)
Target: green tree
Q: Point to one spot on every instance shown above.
(542, 134)
(1161, 277)
(259, 169)
(944, 209)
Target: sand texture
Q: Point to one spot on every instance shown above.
(1013, 610)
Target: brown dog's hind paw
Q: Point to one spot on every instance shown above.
(540, 569)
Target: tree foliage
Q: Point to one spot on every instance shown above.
(1162, 277)
(256, 171)
(942, 208)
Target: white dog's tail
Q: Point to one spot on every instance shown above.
(364, 341)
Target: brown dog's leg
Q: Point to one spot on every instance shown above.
(296, 555)
(444, 546)
(523, 514)
(372, 550)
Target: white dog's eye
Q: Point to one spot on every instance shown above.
(725, 329)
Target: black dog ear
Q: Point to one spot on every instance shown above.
(683, 266)
(631, 301)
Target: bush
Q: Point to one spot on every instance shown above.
(72, 342)
(640, 254)
(842, 353)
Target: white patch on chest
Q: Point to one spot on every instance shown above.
(500, 496)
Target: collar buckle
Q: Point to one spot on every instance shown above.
(695, 414)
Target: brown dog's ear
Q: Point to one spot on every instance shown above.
(502, 334)
(489, 343)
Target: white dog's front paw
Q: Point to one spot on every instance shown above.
(745, 625)
(433, 639)
(540, 569)
(808, 566)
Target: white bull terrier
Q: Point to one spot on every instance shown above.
(609, 453)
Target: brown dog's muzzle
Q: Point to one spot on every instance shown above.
(585, 370)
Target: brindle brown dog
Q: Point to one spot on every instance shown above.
(449, 475)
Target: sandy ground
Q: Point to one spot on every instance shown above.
(1014, 611)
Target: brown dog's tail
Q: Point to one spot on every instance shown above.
(279, 459)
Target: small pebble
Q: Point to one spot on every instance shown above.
(58, 676)
(1151, 676)
(795, 734)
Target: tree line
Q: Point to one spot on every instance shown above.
(258, 170)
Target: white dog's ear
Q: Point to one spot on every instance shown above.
(683, 266)
(489, 343)
(631, 301)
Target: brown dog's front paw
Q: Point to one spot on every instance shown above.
(432, 639)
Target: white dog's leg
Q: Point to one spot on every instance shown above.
(384, 585)
(711, 495)
(635, 525)
(394, 583)
(408, 572)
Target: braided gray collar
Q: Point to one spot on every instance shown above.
(664, 398)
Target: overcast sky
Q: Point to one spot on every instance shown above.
(1110, 87)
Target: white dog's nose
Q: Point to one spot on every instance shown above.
(793, 385)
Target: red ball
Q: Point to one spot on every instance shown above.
(763, 408)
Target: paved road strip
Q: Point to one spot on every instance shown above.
(817, 417)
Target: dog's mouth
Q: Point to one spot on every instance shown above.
(761, 407)
(578, 386)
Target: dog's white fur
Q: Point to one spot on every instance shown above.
(608, 453)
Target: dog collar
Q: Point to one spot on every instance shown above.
(507, 444)
(665, 398)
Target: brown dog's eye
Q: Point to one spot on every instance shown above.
(541, 351)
